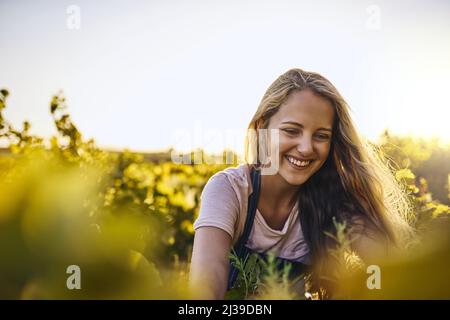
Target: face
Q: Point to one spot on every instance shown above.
(305, 123)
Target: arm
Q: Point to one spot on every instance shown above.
(369, 244)
(214, 230)
(372, 250)
(210, 263)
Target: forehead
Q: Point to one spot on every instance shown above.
(306, 108)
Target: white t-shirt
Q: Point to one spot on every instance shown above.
(224, 202)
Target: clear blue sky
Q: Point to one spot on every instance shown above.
(142, 74)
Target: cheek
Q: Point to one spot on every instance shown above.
(323, 153)
(283, 140)
(284, 145)
(325, 150)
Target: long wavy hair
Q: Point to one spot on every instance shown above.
(354, 181)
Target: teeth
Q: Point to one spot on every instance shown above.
(298, 162)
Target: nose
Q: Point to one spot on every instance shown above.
(304, 146)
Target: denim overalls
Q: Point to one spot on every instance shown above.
(297, 268)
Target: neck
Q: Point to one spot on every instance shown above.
(276, 192)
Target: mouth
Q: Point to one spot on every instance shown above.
(297, 163)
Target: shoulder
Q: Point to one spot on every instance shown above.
(239, 174)
(223, 199)
(232, 178)
(360, 225)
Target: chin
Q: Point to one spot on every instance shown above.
(294, 177)
(294, 181)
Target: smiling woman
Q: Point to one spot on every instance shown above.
(326, 174)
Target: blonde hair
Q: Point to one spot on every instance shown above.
(356, 166)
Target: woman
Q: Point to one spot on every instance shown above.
(324, 171)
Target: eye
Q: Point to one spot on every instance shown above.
(290, 131)
(323, 136)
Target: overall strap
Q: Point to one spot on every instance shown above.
(251, 211)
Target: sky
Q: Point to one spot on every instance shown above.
(149, 75)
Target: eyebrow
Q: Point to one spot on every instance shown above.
(301, 126)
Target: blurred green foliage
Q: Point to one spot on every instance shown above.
(126, 222)
(429, 159)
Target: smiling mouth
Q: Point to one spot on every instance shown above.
(298, 163)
